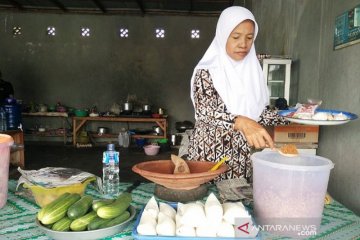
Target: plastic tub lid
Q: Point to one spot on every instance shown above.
(6, 140)
(303, 162)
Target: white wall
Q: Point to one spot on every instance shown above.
(304, 30)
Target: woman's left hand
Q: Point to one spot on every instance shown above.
(255, 134)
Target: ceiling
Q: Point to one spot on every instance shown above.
(136, 7)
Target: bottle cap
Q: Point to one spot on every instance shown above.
(111, 147)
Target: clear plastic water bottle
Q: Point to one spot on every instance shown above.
(126, 138)
(111, 171)
(3, 125)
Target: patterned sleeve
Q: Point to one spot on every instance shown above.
(209, 106)
(271, 118)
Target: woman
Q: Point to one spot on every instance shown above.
(230, 96)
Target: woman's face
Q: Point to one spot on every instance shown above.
(240, 40)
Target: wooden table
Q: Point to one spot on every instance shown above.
(79, 122)
(17, 219)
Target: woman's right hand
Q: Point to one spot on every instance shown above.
(255, 134)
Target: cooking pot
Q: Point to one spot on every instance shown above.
(146, 108)
(80, 112)
(115, 108)
(128, 107)
(42, 108)
(157, 130)
(102, 130)
(183, 126)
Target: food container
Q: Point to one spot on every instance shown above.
(5, 143)
(43, 108)
(41, 129)
(164, 144)
(151, 150)
(128, 107)
(156, 115)
(60, 108)
(290, 191)
(52, 108)
(146, 108)
(140, 142)
(44, 195)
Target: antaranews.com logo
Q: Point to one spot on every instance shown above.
(292, 227)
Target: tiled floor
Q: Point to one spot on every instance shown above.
(40, 155)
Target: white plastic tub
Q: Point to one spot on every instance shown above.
(5, 142)
(290, 192)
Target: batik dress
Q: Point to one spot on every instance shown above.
(214, 136)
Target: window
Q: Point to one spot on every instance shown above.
(195, 33)
(124, 32)
(51, 31)
(85, 32)
(160, 33)
(16, 31)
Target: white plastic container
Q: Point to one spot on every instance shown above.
(126, 138)
(289, 192)
(5, 142)
(121, 139)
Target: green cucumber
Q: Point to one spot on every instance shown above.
(62, 225)
(81, 223)
(116, 208)
(58, 211)
(80, 208)
(115, 221)
(50, 205)
(49, 226)
(97, 204)
(97, 222)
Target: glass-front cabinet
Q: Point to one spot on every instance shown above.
(277, 75)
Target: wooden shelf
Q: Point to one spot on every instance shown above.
(79, 122)
(49, 133)
(113, 135)
(46, 114)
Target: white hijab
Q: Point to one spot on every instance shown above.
(240, 84)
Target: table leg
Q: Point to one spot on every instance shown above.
(74, 132)
(20, 139)
(63, 124)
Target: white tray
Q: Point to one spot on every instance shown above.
(155, 237)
